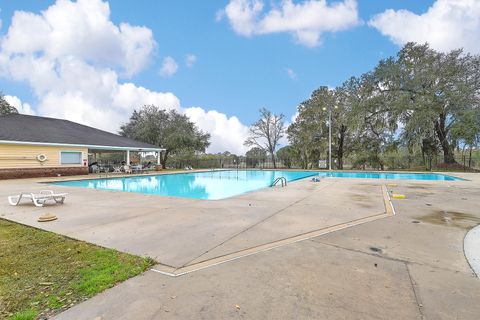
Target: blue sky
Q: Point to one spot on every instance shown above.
(234, 74)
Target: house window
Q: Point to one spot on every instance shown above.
(70, 157)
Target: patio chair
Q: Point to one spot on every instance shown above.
(117, 169)
(102, 169)
(127, 169)
(38, 199)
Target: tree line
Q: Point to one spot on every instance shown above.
(421, 102)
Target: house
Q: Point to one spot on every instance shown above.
(32, 146)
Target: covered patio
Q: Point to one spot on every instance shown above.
(131, 156)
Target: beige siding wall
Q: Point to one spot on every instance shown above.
(25, 156)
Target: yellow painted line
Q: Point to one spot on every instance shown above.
(389, 208)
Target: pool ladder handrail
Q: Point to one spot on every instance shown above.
(280, 179)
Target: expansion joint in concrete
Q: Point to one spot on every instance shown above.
(415, 293)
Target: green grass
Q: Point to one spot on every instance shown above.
(25, 315)
(42, 273)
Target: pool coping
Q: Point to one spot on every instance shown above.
(177, 272)
(158, 173)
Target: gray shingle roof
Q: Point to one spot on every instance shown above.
(20, 127)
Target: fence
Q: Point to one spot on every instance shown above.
(227, 163)
(414, 162)
(398, 162)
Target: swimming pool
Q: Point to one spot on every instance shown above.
(214, 185)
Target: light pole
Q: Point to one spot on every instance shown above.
(329, 136)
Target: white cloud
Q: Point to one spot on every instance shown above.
(243, 15)
(447, 25)
(169, 67)
(291, 74)
(82, 29)
(190, 60)
(306, 21)
(23, 108)
(73, 58)
(95, 96)
(68, 87)
(228, 134)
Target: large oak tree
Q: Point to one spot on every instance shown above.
(167, 129)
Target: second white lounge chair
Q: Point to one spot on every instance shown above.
(38, 199)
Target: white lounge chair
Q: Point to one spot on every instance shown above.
(38, 199)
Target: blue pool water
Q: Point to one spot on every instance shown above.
(214, 185)
(388, 175)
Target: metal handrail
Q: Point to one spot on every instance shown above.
(280, 179)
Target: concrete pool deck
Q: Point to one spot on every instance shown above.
(178, 232)
(407, 266)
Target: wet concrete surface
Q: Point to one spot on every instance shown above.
(451, 219)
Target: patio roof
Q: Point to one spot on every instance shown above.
(26, 129)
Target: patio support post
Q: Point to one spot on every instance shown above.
(128, 157)
(158, 157)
